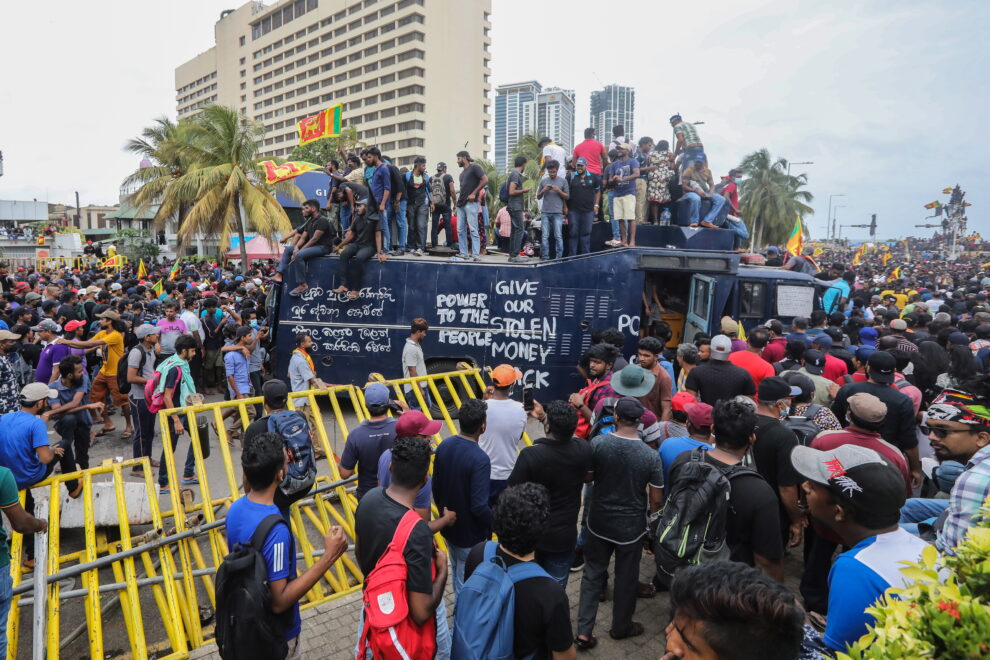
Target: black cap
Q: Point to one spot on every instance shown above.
(629, 408)
(814, 362)
(275, 388)
(882, 365)
(776, 388)
(441, 166)
(242, 331)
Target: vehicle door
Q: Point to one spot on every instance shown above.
(701, 301)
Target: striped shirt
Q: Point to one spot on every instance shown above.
(965, 500)
(690, 134)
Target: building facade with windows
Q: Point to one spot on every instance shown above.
(613, 106)
(527, 108)
(555, 116)
(413, 75)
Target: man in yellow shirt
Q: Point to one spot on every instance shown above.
(111, 339)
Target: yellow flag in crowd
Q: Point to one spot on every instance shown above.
(277, 172)
(886, 258)
(858, 257)
(946, 191)
(796, 239)
(818, 252)
(323, 125)
(157, 288)
(142, 271)
(174, 273)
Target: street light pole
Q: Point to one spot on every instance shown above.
(801, 162)
(828, 217)
(835, 213)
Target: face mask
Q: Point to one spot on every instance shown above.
(238, 298)
(253, 323)
(737, 180)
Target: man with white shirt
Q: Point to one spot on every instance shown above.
(505, 424)
(550, 150)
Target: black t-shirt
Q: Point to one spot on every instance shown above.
(772, 452)
(562, 468)
(542, 619)
(359, 191)
(898, 426)
(398, 185)
(415, 193)
(718, 380)
(470, 178)
(448, 181)
(320, 223)
(515, 201)
(753, 525)
(364, 228)
(214, 336)
(583, 189)
(774, 261)
(375, 522)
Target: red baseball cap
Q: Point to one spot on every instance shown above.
(74, 325)
(413, 422)
(682, 399)
(700, 415)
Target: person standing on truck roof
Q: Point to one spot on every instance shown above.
(550, 150)
(417, 184)
(517, 190)
(364, 238)
(585, 197)
(504, 426)
(380, 185)
(473, 180)
(688, 141)
(623, 174)
(554, 192)
(442, 196)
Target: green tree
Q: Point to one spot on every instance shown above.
(495, 181)
(135, 244)
(528, 146)
(223, 177)
(163, 144)
(770, 200)
(322, 151)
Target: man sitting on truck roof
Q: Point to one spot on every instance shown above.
(364, 238)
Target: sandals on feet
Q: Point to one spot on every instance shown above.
(586, 644)
(635, 630)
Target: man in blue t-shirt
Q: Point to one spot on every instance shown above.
(366, 443)
(858, 496)
(264, 462)
(699, 425)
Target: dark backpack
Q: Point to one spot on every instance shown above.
(604, 422)
(438, 191)
(122, 383)
(690, 529)
(247, 629)
(804, 427)
(294, 429)
(503, 193)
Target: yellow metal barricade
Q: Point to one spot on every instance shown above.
(172, 562)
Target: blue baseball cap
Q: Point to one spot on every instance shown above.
(376, 394)
(773, 249)
(863, 353)
(581, 161)
(868, 334)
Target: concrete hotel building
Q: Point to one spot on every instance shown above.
(613, 106)
(526, 108)
(413, 75)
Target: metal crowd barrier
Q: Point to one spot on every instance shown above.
(175, 557)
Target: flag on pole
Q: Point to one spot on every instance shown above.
(172, 274)
(933, 205)
(858, 257)
(896, 273)
(157, 288)
(323, 125)
(946, 191)
(886, 258)
(796, 240)
(276, 172)
(142, 271)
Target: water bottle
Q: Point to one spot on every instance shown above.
(665, 217)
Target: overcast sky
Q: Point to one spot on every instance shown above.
(887, 99)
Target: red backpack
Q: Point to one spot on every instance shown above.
(584, 426)
(389, 631)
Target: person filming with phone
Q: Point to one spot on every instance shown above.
(504, 428)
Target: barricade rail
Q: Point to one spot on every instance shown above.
(162, 573)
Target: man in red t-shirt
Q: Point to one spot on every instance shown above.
(731, 190)
(774, 351)
(593, 151)
(750, 359)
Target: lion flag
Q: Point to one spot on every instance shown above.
(323, 125)
(277, 172)
(796, 239)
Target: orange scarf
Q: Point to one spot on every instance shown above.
(309, 360)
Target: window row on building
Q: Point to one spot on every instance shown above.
(289, 12)
(197, 82)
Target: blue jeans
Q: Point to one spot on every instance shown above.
(189, 470)
(689, 155)
(579, 238)
(386, 220)
(552, 223)
(444, 640)
(920, 510)
(283, 262)
(401, 226)
(6, 595)
(419, 221)
(557, 564)
(467, 219)
(611, 215)
(345, 217)
(300, 266)
(458, 560)
(694, 207)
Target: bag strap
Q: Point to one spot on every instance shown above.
(264, 528)
(812, 410)
(526, 570)
(490, 548)
(405, 528)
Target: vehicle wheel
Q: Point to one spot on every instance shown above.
(444, 365)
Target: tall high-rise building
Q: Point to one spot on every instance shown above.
(515, 116)
(526, 108)
(555, 116)
(412, 74)
(613, 106)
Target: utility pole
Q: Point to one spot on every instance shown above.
(78, 212)
(801, 162)
(828, 217)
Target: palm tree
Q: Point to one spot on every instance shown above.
(770, 199)
(162, 144)
(224, 177)
(495, 181)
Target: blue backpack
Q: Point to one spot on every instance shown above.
(483, 620)
(503, 193)
(294, 429)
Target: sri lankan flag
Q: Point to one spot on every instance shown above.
(858, 257)
(174, 273)
(323, 125)
(895, 274)
(157, 288)
(795, 241)
(276, 172)
(142, 271)
(946, 191)
(886, 258)
(933, 205)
